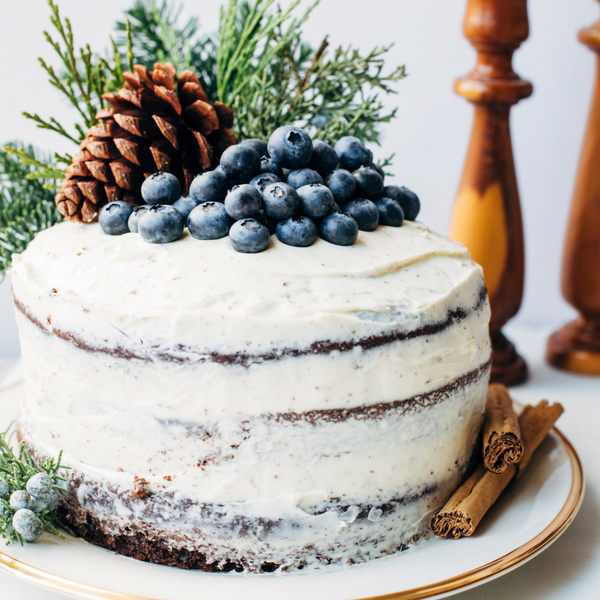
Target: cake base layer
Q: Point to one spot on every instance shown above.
(312, 527)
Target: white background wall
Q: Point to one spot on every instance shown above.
(431, 132)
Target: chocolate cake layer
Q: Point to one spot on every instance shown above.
(245, 359)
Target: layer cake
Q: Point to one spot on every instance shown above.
(291, 409)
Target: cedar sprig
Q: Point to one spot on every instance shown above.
(16, 470)
(26, 200)
(156, 35)
(83, 77)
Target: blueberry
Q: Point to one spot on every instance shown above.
(243, 201)
(379, 169)
(390, 212)
(259, 145)
(249, 236)
(303, 177)
(291, 147)
(240, 163)
(324, 158)
(39, 485)
(351, 153)
(269, 222)
(340, 229)
(281, 200)
(114, 216)
(408, 201)
(134, 217)
(268, 165)
(297, 231)
(316, 200)
(161, 224)
(3, 488)
(209, 221)
(342, 185)
(364, 212)
(161, 188)
(185, 205)
(320, 121)
(369, 183)
(260, 182)
(285, 174)
(27, 525)
(20, 499)
(211, 186)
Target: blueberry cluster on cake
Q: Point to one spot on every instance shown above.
(226, 404)
(291, 186)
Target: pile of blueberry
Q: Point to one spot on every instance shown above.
(39, 497)
(291, 186)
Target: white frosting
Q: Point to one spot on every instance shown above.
(207, 430)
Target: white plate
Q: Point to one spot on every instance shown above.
(529, 516)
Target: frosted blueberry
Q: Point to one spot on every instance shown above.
(39, 505)
(27, 524)
(316, 200)
(303, 177)
(211, 186)
(342, 185)
(20, 499)
(39, 485)
(161, 188)
(259, 145)
(339, 229)
(324, 158)
(3, 488)
(351, 153)
(249, 236)
(243, 201)
(281, 200)
(51, 501)
(320, 121)
(364, 212)
(161, 224)
(291, 147)
(260, 182)
(297, 231)
(390, 212)
(134, 217)
(369, 183)
(240, 163)
(114, 217)
(185, 205)
(408, 201)
(209, 221)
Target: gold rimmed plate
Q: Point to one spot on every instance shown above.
(530, 515)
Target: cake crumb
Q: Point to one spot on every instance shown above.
(140, 490)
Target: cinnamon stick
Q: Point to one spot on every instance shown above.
(464, 511)
(501, 433)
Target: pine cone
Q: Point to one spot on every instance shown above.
(155, 123)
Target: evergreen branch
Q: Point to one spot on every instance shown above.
(43, 170)
(26, 205)
(16, 470)
(129, 45)
(53, 125)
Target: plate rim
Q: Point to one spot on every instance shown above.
(449, 586)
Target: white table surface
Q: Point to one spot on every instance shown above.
(569, 569)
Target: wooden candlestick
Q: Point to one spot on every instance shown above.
(576, 347)
(487, 212)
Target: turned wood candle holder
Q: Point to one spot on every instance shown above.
(487, 212)
(576, 347)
